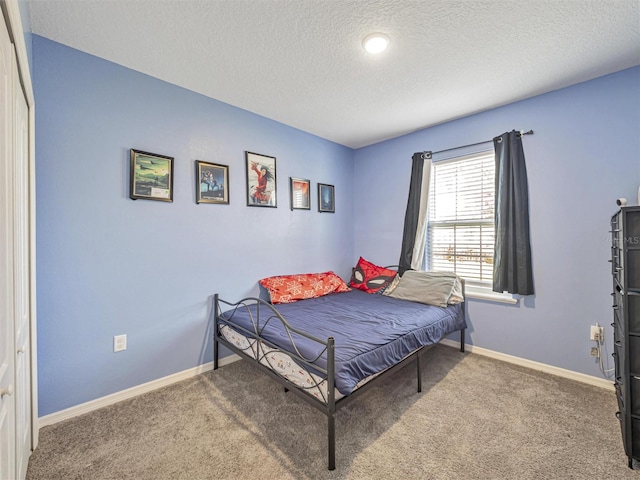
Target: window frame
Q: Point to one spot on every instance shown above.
(473, 288)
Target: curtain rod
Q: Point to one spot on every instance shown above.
(429, 154)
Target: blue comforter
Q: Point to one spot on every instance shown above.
(371, 332)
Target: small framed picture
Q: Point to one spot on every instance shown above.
(300, 195)
(326, 198)
(212, 183)
(151, 176)
(261, 180)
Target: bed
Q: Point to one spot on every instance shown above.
(332, 348)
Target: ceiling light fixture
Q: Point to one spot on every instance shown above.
(375, 43)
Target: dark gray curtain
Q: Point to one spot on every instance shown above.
(512, 269)
(411, 216)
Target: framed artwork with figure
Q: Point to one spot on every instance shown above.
(212, 183)
(326, 198)
(261, 180)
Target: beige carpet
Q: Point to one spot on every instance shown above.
(477, 418)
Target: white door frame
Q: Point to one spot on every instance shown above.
(7, 336)
(11, 11)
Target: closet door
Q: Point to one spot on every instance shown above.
(7, 337)
(22, 297)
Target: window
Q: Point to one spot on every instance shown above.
(460, 235)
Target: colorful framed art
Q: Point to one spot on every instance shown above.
(261, 180)
(212, 183)
(299, 189)
(151, 176)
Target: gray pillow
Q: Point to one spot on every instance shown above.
(431, 288)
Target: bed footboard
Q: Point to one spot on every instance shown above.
(259, 351)
(263, 314)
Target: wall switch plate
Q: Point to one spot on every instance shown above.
(119, 343)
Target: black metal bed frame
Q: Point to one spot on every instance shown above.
(331, 404)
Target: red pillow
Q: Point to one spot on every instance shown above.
(291, 288)
(370, 277)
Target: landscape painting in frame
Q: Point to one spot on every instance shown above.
(300, 198)
(212, 182)
(326, 198)
(151, 176)
(261, 180)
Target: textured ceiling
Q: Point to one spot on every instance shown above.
(300, 62)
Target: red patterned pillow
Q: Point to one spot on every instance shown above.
(291, 288)
(370, 277)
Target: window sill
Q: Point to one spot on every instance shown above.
(480, 293)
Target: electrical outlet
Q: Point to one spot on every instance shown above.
(594, 351)
(119, 343)
(597, 333)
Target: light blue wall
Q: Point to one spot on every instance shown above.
(107, 265)
(584, 154)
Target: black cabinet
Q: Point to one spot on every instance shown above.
(625, 268)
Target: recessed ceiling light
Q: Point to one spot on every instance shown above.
(375, 43)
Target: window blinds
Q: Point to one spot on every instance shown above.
(461, 217)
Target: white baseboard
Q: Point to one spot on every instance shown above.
(542, 367)
(131, 392)
(192, 372)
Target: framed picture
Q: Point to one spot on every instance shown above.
(300, 195)
(212, 183)
(151, 176)
(326, 198)
(261, 180)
